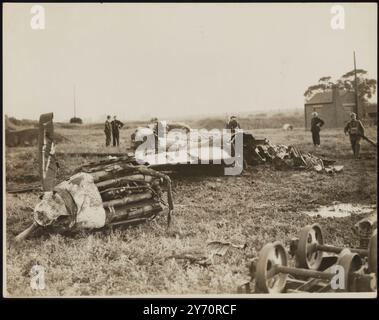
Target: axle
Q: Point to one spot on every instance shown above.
(334, 249)
(301, 272)
(298, 272)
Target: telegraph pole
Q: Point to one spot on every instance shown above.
(356, 87)
(74, 103)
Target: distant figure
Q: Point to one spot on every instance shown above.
(108, 131)
(355, 130)
(316, 124)
(288, 127)
(232, 125)
(159, 130)
(116, 126)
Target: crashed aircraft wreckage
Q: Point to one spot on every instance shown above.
(195, 147)
(128, 189)
(115, 191)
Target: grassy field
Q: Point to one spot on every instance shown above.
(260, 206)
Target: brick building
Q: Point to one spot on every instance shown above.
(333, 106)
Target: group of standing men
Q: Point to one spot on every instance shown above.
(354, 128)
(112, 130)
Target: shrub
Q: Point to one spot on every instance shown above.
(76, 120)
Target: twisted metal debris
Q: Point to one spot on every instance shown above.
(287, 157)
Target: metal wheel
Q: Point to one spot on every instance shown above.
(267, 280)
(307, 255)
(350, 262)
(372, 253)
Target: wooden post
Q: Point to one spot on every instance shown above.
(356, 88)
(74, 103)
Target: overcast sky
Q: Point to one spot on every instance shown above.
(143, 60)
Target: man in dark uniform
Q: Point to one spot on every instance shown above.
(233, 125)
(316, 124)
(108, 131)
(159, 130)
(116, 126)
(355, 130)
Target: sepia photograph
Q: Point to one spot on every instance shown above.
(190, 150)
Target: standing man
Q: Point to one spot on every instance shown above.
(355, 130)
(108, 131)
(233, 125)
(116, 126)
(159, 129)
(316, 124)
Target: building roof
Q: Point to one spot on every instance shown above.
(347, 97)
(321, 98)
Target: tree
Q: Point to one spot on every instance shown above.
(366, 86)
(324, 84)
(76, 120)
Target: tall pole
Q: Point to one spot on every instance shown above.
(356, 87)
(74, 103)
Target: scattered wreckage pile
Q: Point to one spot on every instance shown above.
(316, 264)
(286, 157)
